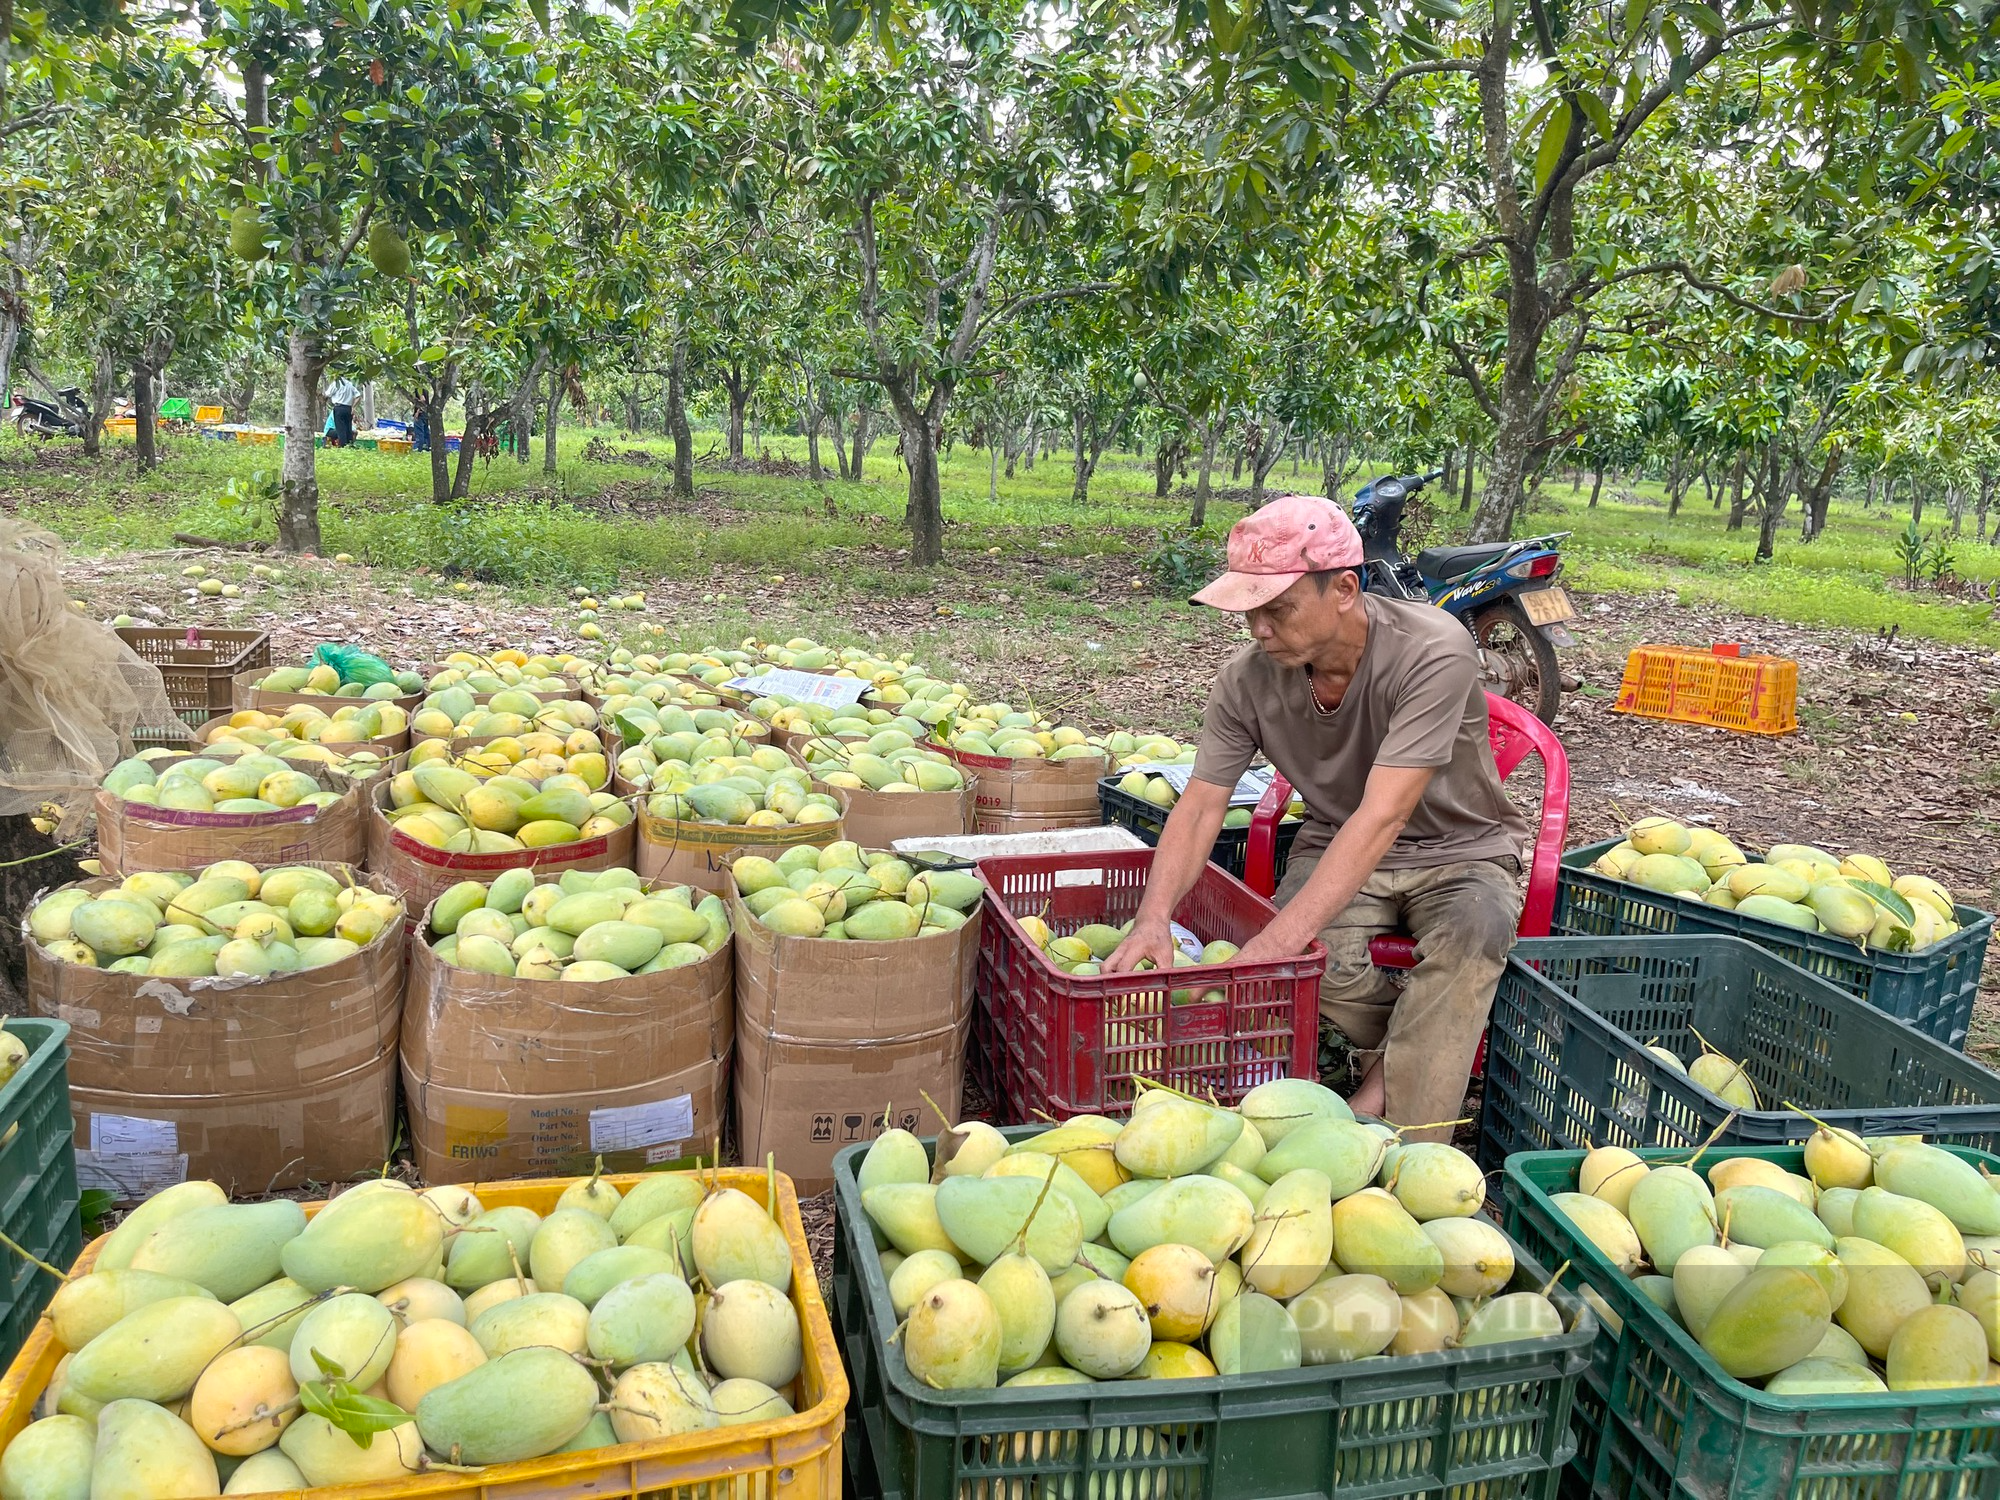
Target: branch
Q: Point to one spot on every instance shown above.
(1686, 272)
(1473, 378)
(354, 235)
(1416, 70)
(1059, 294)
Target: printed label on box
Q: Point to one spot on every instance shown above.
(131, 1157)
(1250, 788)
(807, 687)
(635, 1126)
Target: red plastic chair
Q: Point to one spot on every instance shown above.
(1516, 734)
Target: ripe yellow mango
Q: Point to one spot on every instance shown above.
(1374, 1234)
(1773, 1318)
(429, 1354)
(243, 1401)
(1291, 1236)
(145, 1452)
(750, 1330)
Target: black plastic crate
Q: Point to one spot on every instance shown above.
(1657, 1419)
(1567, 1066)
(1489, 1422)
(1145, 819)
(38, 1192)
(1934, 990)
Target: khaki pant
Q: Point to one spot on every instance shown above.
(1424, 1027)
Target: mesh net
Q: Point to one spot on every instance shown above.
(71, 692)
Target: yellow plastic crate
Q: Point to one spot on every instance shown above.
(393, 445)
(1718, 687)
(208, 414)
(794, 1458)
(125, 426)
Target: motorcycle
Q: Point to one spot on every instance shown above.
(66, 416)
(1506, 593)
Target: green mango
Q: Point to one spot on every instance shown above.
(144, 1452)
(367, 1240)
(521, 1405)
(231, 1250)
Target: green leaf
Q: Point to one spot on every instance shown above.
(1554, 134)
(1636, 12)
(433, 354)
(1598, 111)
(1896, 905)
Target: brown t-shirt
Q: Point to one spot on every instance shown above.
(1416, 700)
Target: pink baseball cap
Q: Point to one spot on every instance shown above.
(1273, 548)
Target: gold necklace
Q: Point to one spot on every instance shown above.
(1312, 688)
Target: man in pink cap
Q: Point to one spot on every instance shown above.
(1374, 711)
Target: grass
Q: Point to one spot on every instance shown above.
(537, 531)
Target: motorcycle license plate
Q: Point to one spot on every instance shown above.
(1546, 606)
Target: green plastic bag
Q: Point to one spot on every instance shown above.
(355, 665)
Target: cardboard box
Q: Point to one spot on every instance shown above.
(837, 1041)
(699, 854)
(461, 1135)
(1029, 796)
(422, 872)
(220, 1039)
(506, 1077)
(132, 836)
(875, 820)
(337, 1130)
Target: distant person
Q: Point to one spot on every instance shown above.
(420, 434)
(342, 398)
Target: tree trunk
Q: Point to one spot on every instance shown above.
(1916, 502)
(1080, 460)
(1513, 441)
(1199, 516)
(635, 414)
(549, 415)
(1028, 453)
(992, 473)
(677, 422)
(864, 439)
(1707, 483)
(1596, 485)
(1674, 474)
(739, 398)
(145, 411)
(103, 384)
(1773, 511)
(833, 430)
(1236, 467)
(926, 505)
(478, 420)
(298, 486)
(810, 420)
(1166, 461)
(1465, 496)
(1739, 495)
(368, 407)
(1985, 499)
(1868, 495)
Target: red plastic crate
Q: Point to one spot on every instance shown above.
(1053, 1043)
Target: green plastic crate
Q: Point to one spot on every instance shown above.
(1490, 1422)
(1657, 1418)
(38, 1194)
(1567, 1066)
(1933, 990)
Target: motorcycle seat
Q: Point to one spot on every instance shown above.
(1456, 562)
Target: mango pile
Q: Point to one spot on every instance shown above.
(1868, 1273)
(1191, 1241)
(482, 811)
(625, 678)
(348, 727)
(1002, 730)
(257, 782)
(503, 669)
(887, 761)
(718, 665)
(763, 789)
(230, 920)
(852, 721)
(652, 737)
(1724, 1077)
(219, 1348)
(1083, 951)
(845, 891)
(323, 679)
(1160, 792)
(1796, 885)
(452, 711)
(582, 927)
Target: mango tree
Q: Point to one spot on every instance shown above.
(948, 168)
(365, 124)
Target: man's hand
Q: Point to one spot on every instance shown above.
(1154, 940)
(1278, 940)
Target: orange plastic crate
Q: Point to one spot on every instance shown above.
(1719, 687)
(787, 1458)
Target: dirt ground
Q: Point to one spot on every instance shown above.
(1897, 752)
